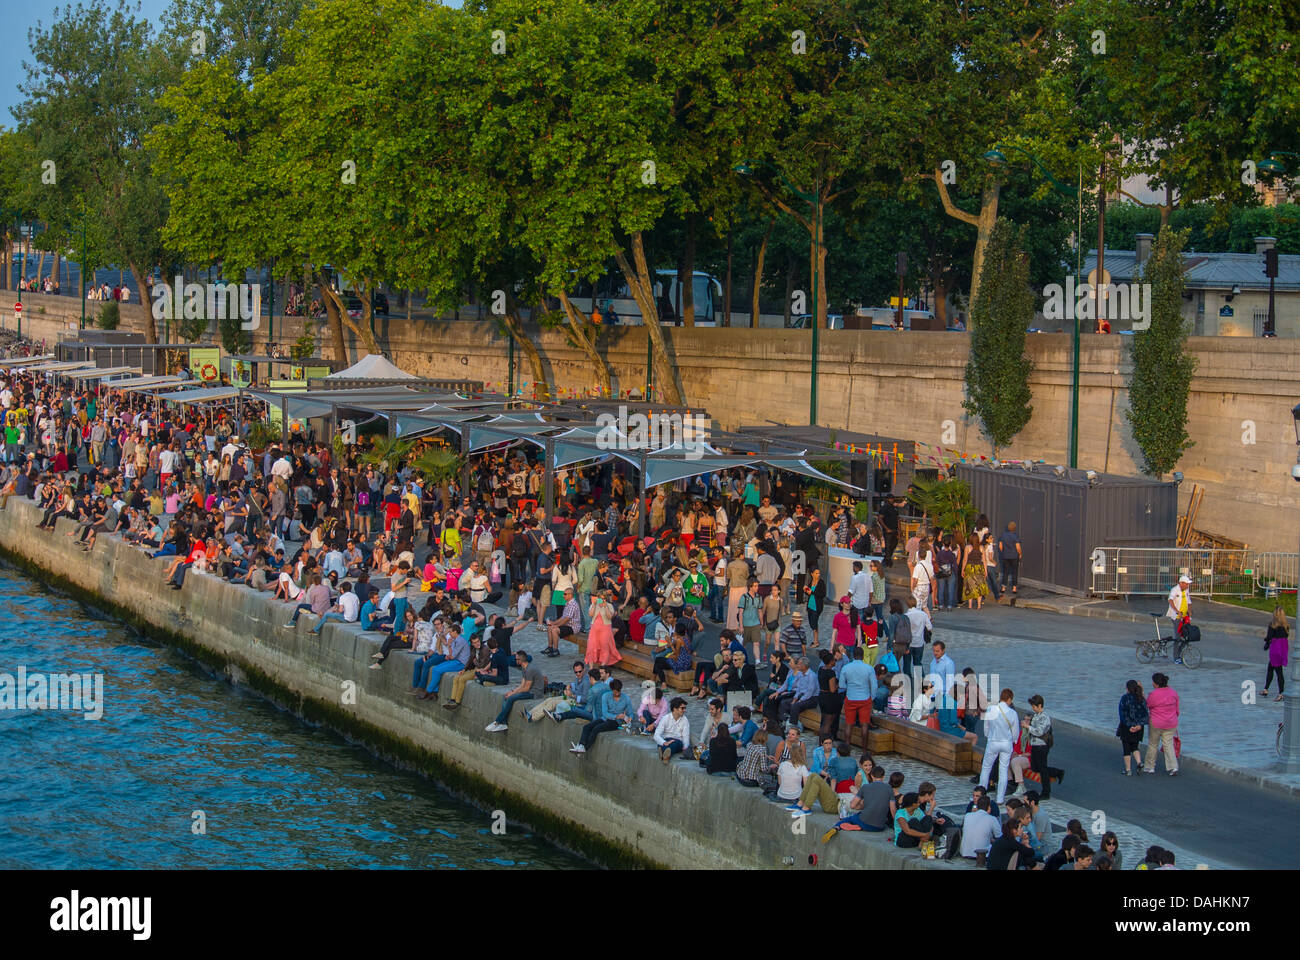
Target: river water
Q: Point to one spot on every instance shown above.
(270, 791)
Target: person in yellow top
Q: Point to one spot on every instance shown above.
(412, 499)
(451, 540)
(1180, 605)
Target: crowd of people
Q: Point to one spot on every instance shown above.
(313, 529)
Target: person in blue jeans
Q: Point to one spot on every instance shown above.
(615, 708)
(454, 663)
(347, 602)
(871, 806)
(529, 688)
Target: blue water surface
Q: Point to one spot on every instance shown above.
(121, 792)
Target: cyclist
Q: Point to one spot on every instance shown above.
(1180, 604)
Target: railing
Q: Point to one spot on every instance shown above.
(1153, 571)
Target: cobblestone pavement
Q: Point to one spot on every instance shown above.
(1225, 719)
(953, 791)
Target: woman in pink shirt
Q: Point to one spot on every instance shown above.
(1162, 703)
(845, 635)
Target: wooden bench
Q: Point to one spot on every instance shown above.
(909, 739)
(638, 660)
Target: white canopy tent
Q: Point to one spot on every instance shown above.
(372, 366)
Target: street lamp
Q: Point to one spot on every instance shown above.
(998, 158)
(1291, 698)
(746, 169)
(1272, 165)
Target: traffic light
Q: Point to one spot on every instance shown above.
(1270, 262)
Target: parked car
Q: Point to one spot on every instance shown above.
(803, 321)
(378, 304)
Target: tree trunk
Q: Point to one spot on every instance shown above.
(336, 334)
(642, 287)
(726, 305)
(939, 281)
(40, 269)
(686, 276)
(987, 218)
(818, 264)
(983, 222)
(758, 272)
(360, 330)
(54, 272)
(585, 336)
(514, 322)
(150, 328)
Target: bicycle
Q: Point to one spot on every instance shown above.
(1148, 650)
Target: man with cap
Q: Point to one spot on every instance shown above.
(793, 638)
(1180, 605)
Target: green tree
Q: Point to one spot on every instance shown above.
(947, 502)
(109, 316)
(997, 373)
(439, 466)
(1161, 380)
(91, 94)
(388, 454)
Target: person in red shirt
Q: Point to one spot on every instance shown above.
(635, 622)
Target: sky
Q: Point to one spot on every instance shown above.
(16, 18)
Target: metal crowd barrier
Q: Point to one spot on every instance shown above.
(1152, 571)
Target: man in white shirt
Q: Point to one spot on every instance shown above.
(1001, 725)
(979, 829)
(673, 731)
(860, 591)
(282, 468)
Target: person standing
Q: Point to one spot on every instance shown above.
(1011, 553)
(1133, 718)
(889, 523)
(1163, 707)
(1039, 727)
(1179, 612)
(738, 577)
(1276, 643)
(923, 578)
(815, 597)
(1000, 725)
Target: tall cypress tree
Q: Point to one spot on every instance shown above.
(1161, 379)
(997, 373)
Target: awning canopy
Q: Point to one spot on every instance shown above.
(163, 384)
(808, 470)
(149, 381)
(102, 373)
(206, 395)
(25, 362)
(66, 365)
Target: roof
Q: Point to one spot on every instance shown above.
(1209, 271)
(372, 366)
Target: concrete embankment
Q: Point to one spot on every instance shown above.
(620, 805)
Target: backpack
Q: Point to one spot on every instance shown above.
(363, 498)
(903, 632)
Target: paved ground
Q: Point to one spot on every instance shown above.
(1079, 664)
(1092, 794)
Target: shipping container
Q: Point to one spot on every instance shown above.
(1062, 515)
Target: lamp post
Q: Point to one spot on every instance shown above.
(1291, 698)
(998, 158)
(814, 201)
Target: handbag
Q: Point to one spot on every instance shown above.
(932, 722)
(1178, 747)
